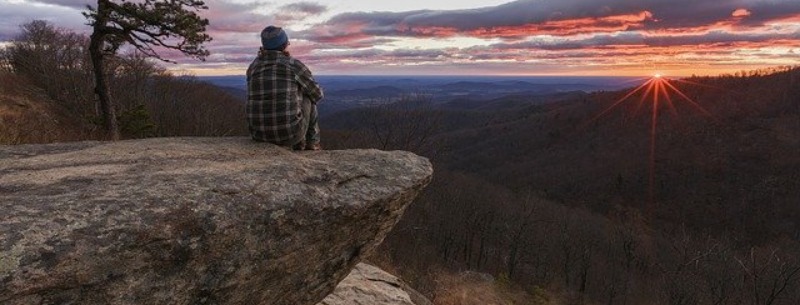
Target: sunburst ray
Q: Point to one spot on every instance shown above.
(668, 98)
(690, 100)
(617, 103)
(658, 90)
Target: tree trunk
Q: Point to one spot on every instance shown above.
(511, 264)
(101, 87)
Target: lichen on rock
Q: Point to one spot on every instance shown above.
(192, 220)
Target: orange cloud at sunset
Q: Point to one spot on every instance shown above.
(683, 36)
(515, 37)
(566, 27)
(741, 13)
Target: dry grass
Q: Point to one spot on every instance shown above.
(443, 287)
(27, 115)
(476, 289)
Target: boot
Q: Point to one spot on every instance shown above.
(313, 146)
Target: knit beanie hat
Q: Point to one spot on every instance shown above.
(272, 38)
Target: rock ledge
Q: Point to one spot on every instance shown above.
(192, 220)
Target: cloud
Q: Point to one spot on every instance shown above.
(13, 15)
(741, 13)
(224, 15)
(539, 35)
(349, 27)
(78, 4)
(309, 8)
(634, 39)
(523, 18)
(299, 11)
(376, 57)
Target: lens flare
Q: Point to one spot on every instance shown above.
(660, 92)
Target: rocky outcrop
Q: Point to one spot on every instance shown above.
(192, 220)
(368, 284)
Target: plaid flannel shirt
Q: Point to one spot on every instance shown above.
(276, 85)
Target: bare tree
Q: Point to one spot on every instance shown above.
(410, 124)
(770, 274)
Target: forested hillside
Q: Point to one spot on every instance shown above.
(714, 169)
(555, 195)
(48, 94)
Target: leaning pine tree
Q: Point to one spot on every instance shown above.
(146, 25)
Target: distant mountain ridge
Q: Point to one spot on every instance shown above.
(349, 92)
(371, 92)
(516, 86)
(410, 83)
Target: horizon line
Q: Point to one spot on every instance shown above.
(452, 75)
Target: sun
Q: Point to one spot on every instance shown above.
(657, 75)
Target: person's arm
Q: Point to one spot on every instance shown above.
(310, 87)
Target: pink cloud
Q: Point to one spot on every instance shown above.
(298, 11)
(740, 13)
(225, 16)
(555, 17)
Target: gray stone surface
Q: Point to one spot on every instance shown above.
(192, 220)
(369, 285)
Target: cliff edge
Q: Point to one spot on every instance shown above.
(192, 220)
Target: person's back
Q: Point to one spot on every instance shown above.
(281, 96)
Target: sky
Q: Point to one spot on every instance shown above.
(482, 37)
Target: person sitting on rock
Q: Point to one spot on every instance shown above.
(282, 96)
